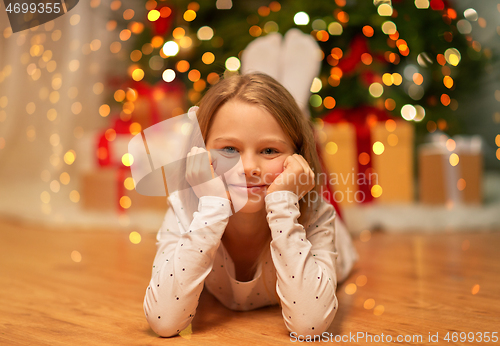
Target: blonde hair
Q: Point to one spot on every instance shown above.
(264, 91)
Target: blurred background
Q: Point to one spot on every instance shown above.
(408, 95)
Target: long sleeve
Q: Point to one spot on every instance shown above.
(183, 260)
(305, 262)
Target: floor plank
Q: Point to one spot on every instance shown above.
(423, 282)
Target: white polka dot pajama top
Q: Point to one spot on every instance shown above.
(302, 267)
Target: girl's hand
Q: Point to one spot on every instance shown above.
(201, 176)
(297, 177)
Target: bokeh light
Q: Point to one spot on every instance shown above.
(170, 48)
(422, 4)
(301, 18)
(351, 288)
(365, 235)
(76, 256)
(316, 85)
(379, 310)
(125, 202)
(369, 304)
(127, 159)
(376, 89)
(205, 33)
(233, 64)
(331, 148)
(376, 191)
(335, 29)
(408, 112)
(153, 15)
(361, 280)
(134, 237)
(452, 56)
(385, 10)
(378, 148)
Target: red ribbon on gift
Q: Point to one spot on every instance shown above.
(120, 127)
(363, 118)
(123, 127)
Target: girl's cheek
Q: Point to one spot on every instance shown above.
(273, 169)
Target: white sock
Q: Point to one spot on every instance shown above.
(263, 55)
(300, 63)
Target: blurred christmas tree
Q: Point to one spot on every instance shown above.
(415, 59)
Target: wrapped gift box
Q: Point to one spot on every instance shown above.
(88, 146)
(451, 171)
(102, 189)
(365, 143)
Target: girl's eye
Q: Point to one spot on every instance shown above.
(230, 150)
(270, 151)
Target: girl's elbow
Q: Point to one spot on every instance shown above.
(164, 321)
(312, 325)
(165, 328)
(311, 329)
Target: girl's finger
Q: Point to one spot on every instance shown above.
(307, 170)
(287, 162)
(303, 163)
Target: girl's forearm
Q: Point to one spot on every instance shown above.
(183, 261)
(305, 266)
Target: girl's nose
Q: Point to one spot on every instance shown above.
(251, 166)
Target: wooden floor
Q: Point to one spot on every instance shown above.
(419, 284)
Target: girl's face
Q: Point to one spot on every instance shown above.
(253, 133)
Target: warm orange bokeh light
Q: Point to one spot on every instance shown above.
(445, 99)
(364, 158)
(368, 31)
(182, 66)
